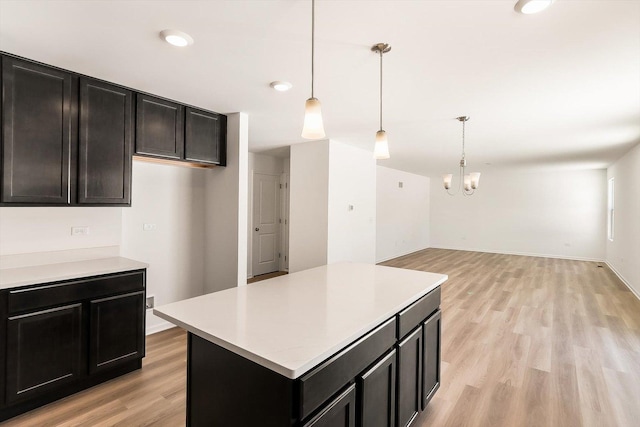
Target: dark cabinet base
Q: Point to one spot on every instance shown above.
(77, 386)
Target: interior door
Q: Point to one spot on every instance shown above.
(265, 223)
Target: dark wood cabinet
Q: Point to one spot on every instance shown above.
(117, 330)
(66, 336)
(409, 378)
(431, 330)
(105, 148)
(159, 127)
(44, 351)
(377, 390)
(69, 139)
(341, 412)
(38, 133)
(205, 136)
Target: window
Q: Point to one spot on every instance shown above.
(610, 209)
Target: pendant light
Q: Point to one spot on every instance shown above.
(468, 182)
(313, 127)
(381, 149)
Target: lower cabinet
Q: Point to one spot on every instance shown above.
(431, 330)
(383, 379)
(44, 351)
(67, 336)
(409, 377)
(117, 330)
(377, 388)
(341, 412)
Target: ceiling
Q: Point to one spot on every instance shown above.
(557, 90)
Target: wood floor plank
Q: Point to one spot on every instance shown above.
(525, 341)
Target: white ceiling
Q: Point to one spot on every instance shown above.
(560, 89)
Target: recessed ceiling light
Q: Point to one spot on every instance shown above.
(176, 38)
(281, 86)
(529, 7)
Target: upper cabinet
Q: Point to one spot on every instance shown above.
(205, 135)
(173, 131)
(159, 127)
(106, 140)
(38, 134)
(68, 139)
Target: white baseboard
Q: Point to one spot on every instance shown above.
(378, 261)
(532, 254)
(159, 328)
(623, 280)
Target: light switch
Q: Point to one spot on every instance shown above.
(79, 231)
(148, 227)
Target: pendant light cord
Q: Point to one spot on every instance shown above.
(381, 88)
(313, 20)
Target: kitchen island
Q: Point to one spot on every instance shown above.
(334, 345)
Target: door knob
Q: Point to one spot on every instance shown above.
(257, 229)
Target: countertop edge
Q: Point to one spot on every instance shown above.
(298, 372)
(59, 277)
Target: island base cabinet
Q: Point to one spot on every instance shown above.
(409, 378)
(339, 413)
(224, 389)
(377, 389)
(431, 330)
(44, 351)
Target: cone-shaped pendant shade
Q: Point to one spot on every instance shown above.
(313, 127)
(381, 149)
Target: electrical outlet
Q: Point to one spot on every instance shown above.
(148, 227)
(150, 303)
(400, 184)
(79, 231)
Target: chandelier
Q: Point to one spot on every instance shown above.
(468, 182)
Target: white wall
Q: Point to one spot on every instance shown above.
(258, 163)
(226, 212)
(623, 253)
(557, 214)
(173, 199)
(308, 211)
(351, 234)
(27, 230)
(402, 214)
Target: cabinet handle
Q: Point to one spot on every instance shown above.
(257, 229)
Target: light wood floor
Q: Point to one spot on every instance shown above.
(526, 342)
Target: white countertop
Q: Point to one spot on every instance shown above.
(31, 275)
(291, 323)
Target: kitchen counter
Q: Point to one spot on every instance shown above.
(291, 323)
(31, 275)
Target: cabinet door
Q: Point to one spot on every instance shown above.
(378, 394)
(159, 127)
(205, 136)
(105, 150)
(117, 330)
(431, 357)
(44, 351)
(409, 378)
(38, 132)
(341, 412)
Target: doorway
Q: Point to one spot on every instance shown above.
(266, 218)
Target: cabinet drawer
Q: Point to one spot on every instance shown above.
(340, 412)
(413, 315)
(21, 300)
(324, 381)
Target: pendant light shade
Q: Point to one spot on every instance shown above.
(381, 149)
(313, 127)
